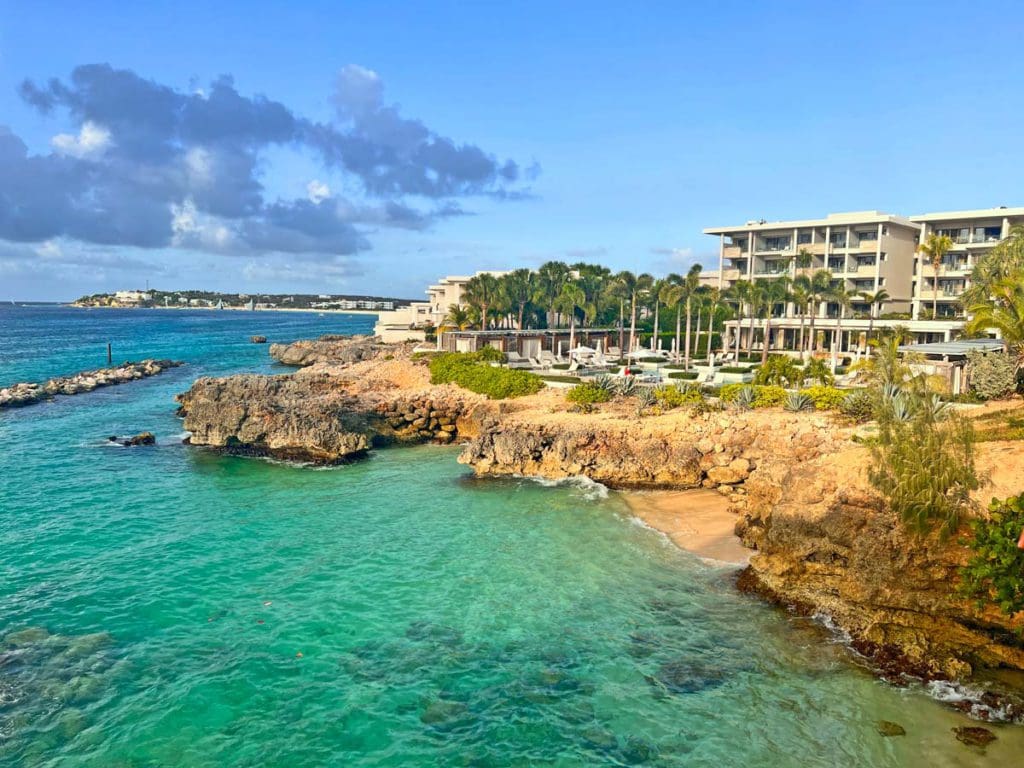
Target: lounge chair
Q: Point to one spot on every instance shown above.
(515, 360)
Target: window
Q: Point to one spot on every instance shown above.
(867, 236)
(803, 238)
(838, 238)
(739, 242)
(776, 243)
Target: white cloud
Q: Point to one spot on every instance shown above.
(317, 191)
(199, 166)
(91, 140)
(193, 229)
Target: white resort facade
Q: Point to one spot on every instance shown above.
(868, 251)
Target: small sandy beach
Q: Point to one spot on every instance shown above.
(698, 521)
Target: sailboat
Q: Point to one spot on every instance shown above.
(251, 305)
(220, 304)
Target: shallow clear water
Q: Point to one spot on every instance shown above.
(170, 606)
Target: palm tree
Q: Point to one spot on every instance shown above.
(690, 284)
(755, 303)
(839, 295)
(714, 299)
(874, 301)
(671, 295)
(550, 278)
(1006, 259)
(773, 292)
(818, 286)
(567, 302)
(633, 287)
(517, 288)
(800, 296)
(740, 294)
(458, 317)
(935, 247)
(656, 288)
(594, 280)
(1004, 311)
(803, 259)
(481, 292)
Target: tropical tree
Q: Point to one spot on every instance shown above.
(740, 294)
(458, 317)
(818, 286)
(594, 280)
(839, 295)
(803, 259)
(517, 289)
(1005, 260)
(935, 247)
(800, 296)
(481, 292)
(571, 298)
(1004, 312)
(690, 285)
(773, 293)
(671, 295)
(634, 287)
(714, 299)
(655, 294)
(874, 301)
(550, 278)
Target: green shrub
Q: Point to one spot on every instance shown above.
(472, 371)
(625, 385)
(734, 369)
(858, 406)
(763, 396)
(490, 355)
(588, 393)
(798, 401)
(995, 573)
(651, 360)
(562, 379)
(923, 463)
(685, 375)
(817, 370)
(676, 396)
(560, 366)
(992, 375)
(825, 398)
(778, 369)
(645, 398)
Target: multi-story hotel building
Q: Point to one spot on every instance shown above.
(973, 233)
(868, 251)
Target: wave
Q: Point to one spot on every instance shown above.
(591, 490)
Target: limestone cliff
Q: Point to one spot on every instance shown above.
(328, 350)
(826, 542)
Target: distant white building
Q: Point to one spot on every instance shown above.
(409, 322)
(132, 297)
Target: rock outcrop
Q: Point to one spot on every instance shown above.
(827, 543)
(328, 350)
(27, 393)
(718, 450)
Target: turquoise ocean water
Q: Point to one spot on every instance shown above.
(168, 606)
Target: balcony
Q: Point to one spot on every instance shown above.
(959, 266)
(731, 275)
(940, 295)
(869, 246)
(732, 252)
(866, 269)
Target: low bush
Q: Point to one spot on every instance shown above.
(734, 369)
(588, 393)
(995, 573)
(825, 398)
(858, 406)
(490, 355)
(560, 366)
(676, 396)
(473, 371)
(778, 369)
(992, 375)
(817, 370)
(763, 396)
(685, 375)
(563, 379)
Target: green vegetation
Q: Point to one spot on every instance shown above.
(780, 370)
(685, 375)
(473, 371)
(995, 572)
(923, 460)
(1000, 425)
(588, 393)
(676, 396)
(992, 375)
(825, 398)
(735, 369)
(816, 370)
(767, 396)
(798, 401)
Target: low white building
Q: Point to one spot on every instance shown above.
(411, 321)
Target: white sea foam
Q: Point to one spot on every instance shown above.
(591, 490)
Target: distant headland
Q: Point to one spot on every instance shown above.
(155, 299)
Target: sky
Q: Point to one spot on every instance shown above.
(372, 147)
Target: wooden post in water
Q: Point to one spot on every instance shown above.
(110, 355)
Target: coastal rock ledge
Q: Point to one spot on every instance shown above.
(29, 393)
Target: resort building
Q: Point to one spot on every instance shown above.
(973, 233)
(868, 251)
(410, 322)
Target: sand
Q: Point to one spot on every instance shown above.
(698, 521)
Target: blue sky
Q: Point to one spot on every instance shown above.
(629, 127)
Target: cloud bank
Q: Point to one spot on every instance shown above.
(152, 167)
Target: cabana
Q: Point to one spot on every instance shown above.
(528, 344)
(949, 358)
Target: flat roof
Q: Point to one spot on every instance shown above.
(844, 219)
(955, 348)
(536, 332)
(980, 213)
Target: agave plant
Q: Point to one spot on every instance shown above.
(932, 407)
(626, 386)
(858, 406)
(745, 398)
(605, 383)
(902, 407)
(645, 397)
(798, 401)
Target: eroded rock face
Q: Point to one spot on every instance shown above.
(827, 542)
(308, 418)
(715, 451)
(330, 350)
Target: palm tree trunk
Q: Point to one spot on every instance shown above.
(632, 324)
(679, 320)
(483, 316)
(711, 329)
(696, 337)
(935, 288)
(750, 341)
(767, 334)
(871, 328)
(810, 340)
(739, 329)
(572, 334)
(838, 341)
(800, 343)
(519, 322)
(686, 359)
(622, 309)
(657, 328)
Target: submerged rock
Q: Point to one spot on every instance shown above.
(27, 636)
(442, 712)
(974, 736)
(685, 676)
(889, 728)
(258, 339)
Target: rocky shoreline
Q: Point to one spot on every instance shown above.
(821, 541)
(29, 393)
